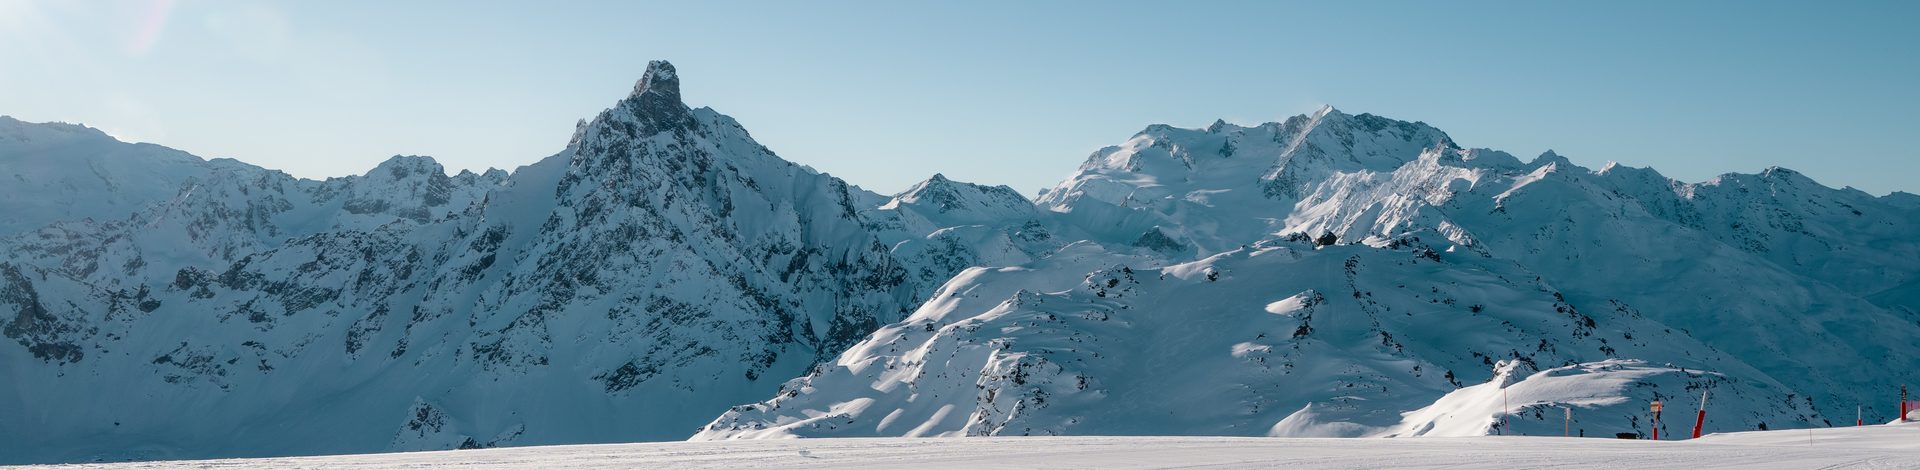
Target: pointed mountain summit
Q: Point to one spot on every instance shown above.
(660, 79)
(653, 107)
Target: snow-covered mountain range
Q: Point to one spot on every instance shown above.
(1334, 273)
(1330, 275)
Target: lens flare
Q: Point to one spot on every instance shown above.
(152, 23)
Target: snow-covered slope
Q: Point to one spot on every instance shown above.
(1280, 339)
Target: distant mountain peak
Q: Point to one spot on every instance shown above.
(1549, 157)
(939, 186)
(943, 195)
(1780, 172)
(402, 166)
(1217, 126)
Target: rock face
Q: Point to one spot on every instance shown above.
(1330, 275)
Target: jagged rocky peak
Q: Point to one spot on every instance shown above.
(660, 79)
(653, 107)
(655, 103)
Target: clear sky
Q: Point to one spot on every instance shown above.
(1018, 93)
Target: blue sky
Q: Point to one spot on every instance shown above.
(1018, 93)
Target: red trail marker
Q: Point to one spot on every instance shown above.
(1656, 420)
(1700, 420)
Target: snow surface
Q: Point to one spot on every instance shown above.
(1889, 446)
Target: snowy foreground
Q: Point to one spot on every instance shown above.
(1894, 446)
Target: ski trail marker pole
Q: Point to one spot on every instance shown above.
(1656, 420)
(1700, 420)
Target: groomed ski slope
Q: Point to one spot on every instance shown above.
(1889, 446)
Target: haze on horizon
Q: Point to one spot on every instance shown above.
(884, 95)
